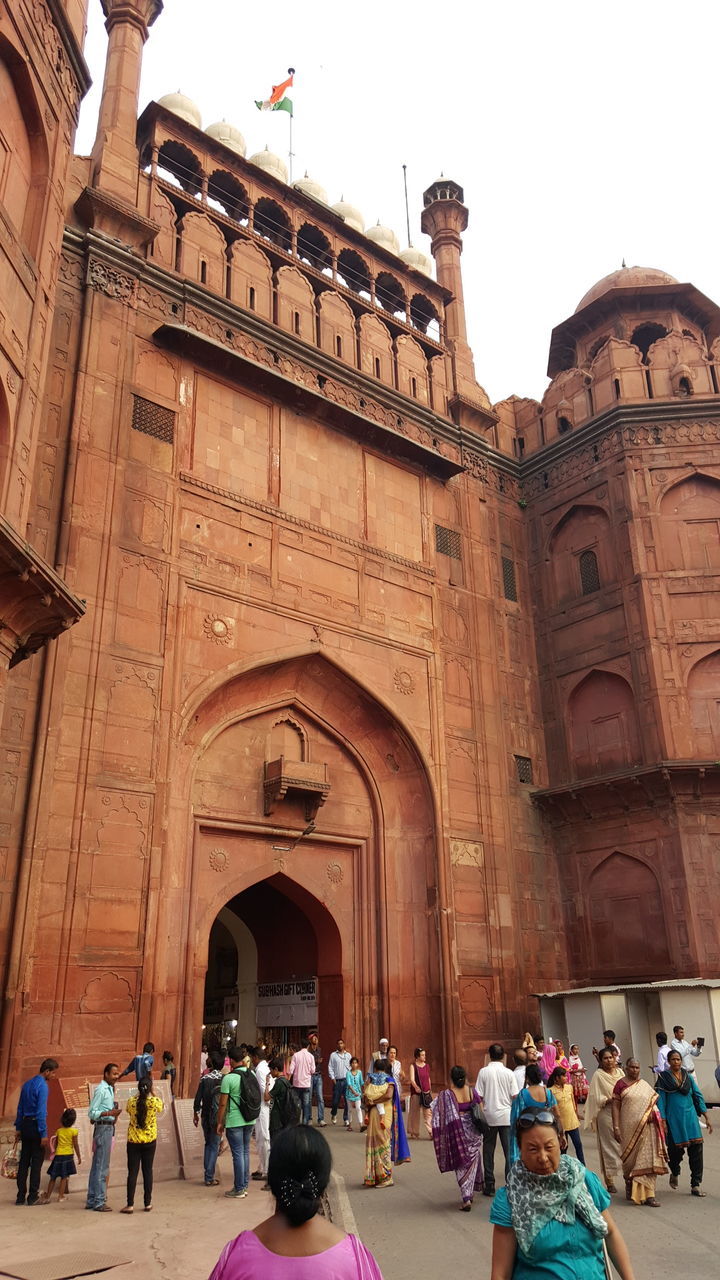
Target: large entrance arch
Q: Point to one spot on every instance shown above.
(293, 940)
(348, 822)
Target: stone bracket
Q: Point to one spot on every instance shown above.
(281, 776)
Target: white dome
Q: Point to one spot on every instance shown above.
(385, 237)
(352, 216)
(310, 187)
(413, 257)
(271, 163)
(183, 107)
(228, 135)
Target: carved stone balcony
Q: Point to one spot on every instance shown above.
(283, 775)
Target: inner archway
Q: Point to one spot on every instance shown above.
(274, 968)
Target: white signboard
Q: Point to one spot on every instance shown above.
(287, 1004)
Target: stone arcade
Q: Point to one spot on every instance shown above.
(362, 676)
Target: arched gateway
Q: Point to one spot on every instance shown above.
(293, 747)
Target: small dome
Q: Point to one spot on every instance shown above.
(416, 258)
(271, 163)
(310, 187)
(352, 216)
(183, 107)
(228, 135)
(625, 278)
(385, 237)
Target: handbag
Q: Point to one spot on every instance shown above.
(477, 1115)
(10, 1163)
(425, 1098)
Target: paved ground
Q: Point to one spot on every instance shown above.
(414, 1228)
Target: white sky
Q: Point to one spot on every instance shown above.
(582, 133)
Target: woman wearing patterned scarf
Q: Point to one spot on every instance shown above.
(551, 1219)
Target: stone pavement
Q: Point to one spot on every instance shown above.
(412, 1228)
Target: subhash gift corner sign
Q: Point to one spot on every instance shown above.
(287, 1004)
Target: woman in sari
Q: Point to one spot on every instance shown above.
(578, 1078)
(379, 1096)
(680, 1103)
(560, 1059)
(420, 1095)
(639, 1130)
(547, 1057)
(535, 1096)
(458, 1144)
(598, 1115)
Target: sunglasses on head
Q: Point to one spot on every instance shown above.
(529, 1118)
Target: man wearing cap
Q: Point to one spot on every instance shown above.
(380, 1052)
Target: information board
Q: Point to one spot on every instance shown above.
(167, 1155)
(191, 1140)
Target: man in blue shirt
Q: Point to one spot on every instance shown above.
(141, 1064)
(102, 1114)
(31, 1130)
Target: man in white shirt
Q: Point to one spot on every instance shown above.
(521, 1061)
(689, 1049)
(663, 1051)
(262, 1128)
(497, 1086)
(338, 1067)
(379, 1053)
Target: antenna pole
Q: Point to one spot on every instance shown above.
(407, 206)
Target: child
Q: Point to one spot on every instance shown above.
(62, 1165)
(169, 1069)
(353, 1089)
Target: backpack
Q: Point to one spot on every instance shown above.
(249, 1098)
(210, 1103)
(288, 1105)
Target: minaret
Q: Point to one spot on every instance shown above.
(444, 218)
(114, 155)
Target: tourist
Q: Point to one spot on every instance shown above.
(551, 1219)
(663, 1050)
(380, 1052)
(560, 1059)
(566, 1110)
(399, 1148)
(143, 1111)
(532, 1054)
(535, 1095)
(521, 1060)
(497, 1086)
(608, 1043)
(102, 1113)
(598, 1115)
(169, 1070)
(259, 1062)
(316, 1085)
(395, 1065)
(302, 1065)
(204, 1051)
(680, 1102)
(31, 1130)
(142, 1064)
(232, 1122)
(639, 1130)
(205, 1111)
(528, 1041)
(62, 1165)
(354, 1091)
(689, 1050)
(547, 1057)
(578, 1078)
(282, 1100)
(338, 1067)
(297, 1242)
(420, 1095)
(379, 1091)
(458, 1144)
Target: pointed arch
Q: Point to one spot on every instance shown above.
(602, 725)
(583, 531)
(703, 687)
(628, 935)
(690, 515)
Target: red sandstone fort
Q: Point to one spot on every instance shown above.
(315, 664)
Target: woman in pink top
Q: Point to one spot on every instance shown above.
(296, 1243)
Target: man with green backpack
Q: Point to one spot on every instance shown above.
(238, 1110)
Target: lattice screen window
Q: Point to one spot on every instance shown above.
(447, 542)
(153, 420)
(508, 577)
(589, 573)
(524, 767)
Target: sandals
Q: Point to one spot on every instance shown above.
(652, 1203)
(673, 1182)
(466, 1206)
(128, 1209)
(698, 1191)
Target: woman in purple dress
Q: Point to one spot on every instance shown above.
(458, 1144)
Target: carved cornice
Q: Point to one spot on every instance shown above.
(238, 499)
(646, 787)
(107, 279)
(52, 29)
(35, 604)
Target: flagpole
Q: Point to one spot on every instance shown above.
(290, 152)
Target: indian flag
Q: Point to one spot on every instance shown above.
(278, 100)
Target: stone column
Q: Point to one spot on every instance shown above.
(115, 158)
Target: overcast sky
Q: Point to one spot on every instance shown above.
(582, 134)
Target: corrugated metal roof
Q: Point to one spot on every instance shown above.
(630, 986)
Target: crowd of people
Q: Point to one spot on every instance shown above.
(536, 1110)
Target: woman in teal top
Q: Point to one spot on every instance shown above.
(535, 1096)
(680, 1103)
(551, 1218)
